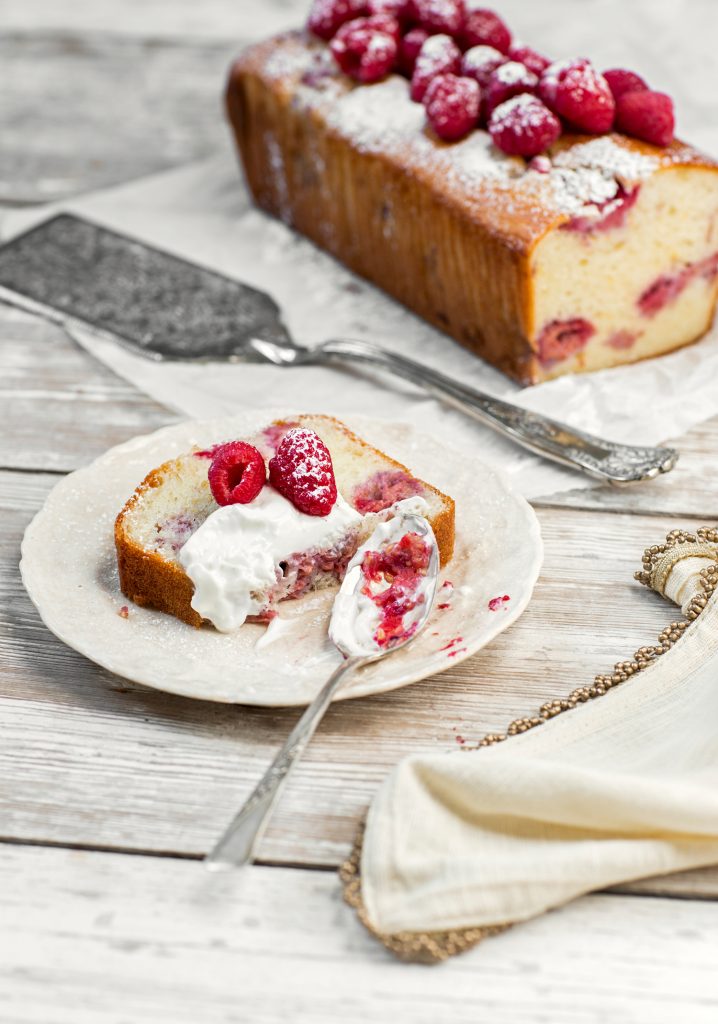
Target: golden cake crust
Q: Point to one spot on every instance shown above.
(151, 581)
(518, 216)
(450, 230)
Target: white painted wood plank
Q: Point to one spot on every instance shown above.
(157, 19)
(89, 758)
(59, 408)
(91, 938)
(79, 112)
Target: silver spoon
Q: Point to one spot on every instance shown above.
(77, 273)
(237, 845)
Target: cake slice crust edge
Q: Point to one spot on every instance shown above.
(150, 580)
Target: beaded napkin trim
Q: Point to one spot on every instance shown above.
(658, 560)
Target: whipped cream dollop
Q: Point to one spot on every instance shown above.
(356, 617)
(233, 558)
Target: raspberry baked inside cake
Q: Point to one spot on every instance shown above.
(538, 211)
(224, 534)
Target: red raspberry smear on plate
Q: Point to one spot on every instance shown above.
(303, 473)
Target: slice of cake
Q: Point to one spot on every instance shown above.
(181, 551)
(506, 208)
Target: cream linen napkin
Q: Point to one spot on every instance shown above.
(620, 788)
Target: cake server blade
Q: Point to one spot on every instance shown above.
(73, 271)
(78, 273)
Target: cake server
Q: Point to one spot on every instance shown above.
(237, 845)
(75, 272)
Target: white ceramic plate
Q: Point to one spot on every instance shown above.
(68, 567)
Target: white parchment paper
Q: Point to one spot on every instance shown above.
(203, 212)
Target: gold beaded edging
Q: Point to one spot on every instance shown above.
(434, 947)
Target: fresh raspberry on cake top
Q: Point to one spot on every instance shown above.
(326, 17)
(438, 56)
(483, 27)
(366, 48)
(523, 126)
(302, 472)
(439, 16)
(575, 91)
(510, 79)
(480, 62)
(646, 115)
(452, 106)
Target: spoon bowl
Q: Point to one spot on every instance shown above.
(384, 601)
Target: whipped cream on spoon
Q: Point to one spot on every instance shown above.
(384, 601)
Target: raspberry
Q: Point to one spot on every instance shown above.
(541, 164)
(646, 115)
(563, 338)
(385, 23)
(438, 56)
(479, 62)
(366, 48)
(409, 48)
(525, 55)
(237, 473)
(446, 16)
(302, 471)
(523, 126)
(452, 106)
(620, 81)
(398, 9)
(511, 79)
(484, 28)
(574, 90)
(327, 16)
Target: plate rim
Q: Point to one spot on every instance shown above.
(139, 441)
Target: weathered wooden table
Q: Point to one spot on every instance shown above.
(110, 793)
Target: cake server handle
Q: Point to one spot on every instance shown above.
(603, 460)
(236, 846)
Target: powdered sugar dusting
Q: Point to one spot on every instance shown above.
(479, 58)
(591, 173)
(513, 73)
(627, 165)
(377, 117)
(382, 118)
(531, 110)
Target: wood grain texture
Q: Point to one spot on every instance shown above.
(216, 20)
(59, 408)
(104, 939)
(89, 758)
(85, 111)
(97, 93)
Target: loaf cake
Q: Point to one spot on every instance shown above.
(601, 250)
(181, 552)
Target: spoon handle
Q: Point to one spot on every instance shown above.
(236, 846)
(603, 460)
